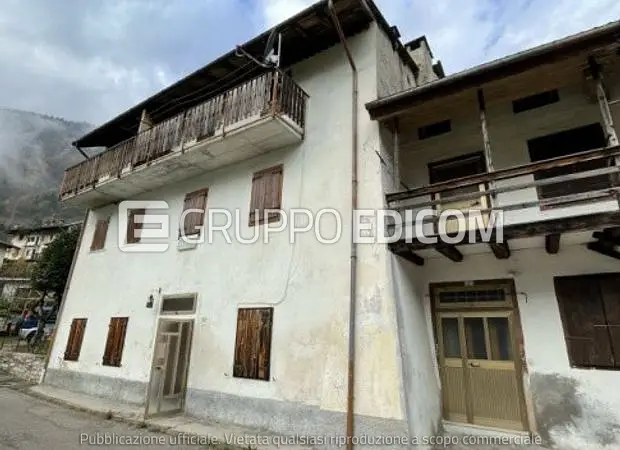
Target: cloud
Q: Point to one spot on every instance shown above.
(90, 60)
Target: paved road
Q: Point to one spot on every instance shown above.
(27, 423)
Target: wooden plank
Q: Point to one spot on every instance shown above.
(603, 249)
(450, 252)
(513, 187)
(401, 249)
(552, 243)
(539, 228)
(511, 172)
(501, 250)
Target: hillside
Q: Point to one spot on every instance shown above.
(34, 152)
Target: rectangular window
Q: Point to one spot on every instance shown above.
(192, 221)
(116, 340)
(266, 195)
(590, 312)
(535, 101)
(76, 336)
(253, 343)
(434, 129)
(133, 227)
(101, 231)
(566, 143)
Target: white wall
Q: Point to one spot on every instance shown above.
(597, 393)
(307, 283)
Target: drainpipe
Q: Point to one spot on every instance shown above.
(353, 261)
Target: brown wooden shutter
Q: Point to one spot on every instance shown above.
(74, 342)
(266, 194)
(132, 226)
(253, 343)
(115, 342)
(194, 200)
(585, 326)
(101, 231)
(610, 293)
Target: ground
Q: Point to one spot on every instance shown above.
(27, 423)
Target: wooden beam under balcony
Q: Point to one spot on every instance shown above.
(604, 249)
(450, 252)
(401, 249)
(501, 250)
(552, 243)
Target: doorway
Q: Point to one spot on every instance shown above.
(476, 326)
(167, 386)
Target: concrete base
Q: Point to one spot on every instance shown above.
(290, 418)
(118, 389)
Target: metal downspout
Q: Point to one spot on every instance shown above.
(353, 259)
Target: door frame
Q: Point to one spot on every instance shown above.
(172, 317)
(510, 306)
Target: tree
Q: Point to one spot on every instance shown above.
(50, 275)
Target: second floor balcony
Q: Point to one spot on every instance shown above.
(260, 115)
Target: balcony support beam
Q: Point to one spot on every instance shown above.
(501, 250)
(402, 249)
(450, 252)
(552, 243)
(396, 157)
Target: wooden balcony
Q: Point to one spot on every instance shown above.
(587, 199)
(263, 114)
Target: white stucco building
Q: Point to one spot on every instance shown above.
(310, 338)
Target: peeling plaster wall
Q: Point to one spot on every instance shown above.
(392, 74)
(574, 408)
(307, 283)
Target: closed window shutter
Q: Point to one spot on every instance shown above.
(253, 343)
(585, 326)
(266, 194)
(101, 231)
(74, 342)
(194, 200)
(115, 342)
(133, 226)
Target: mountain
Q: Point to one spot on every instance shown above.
(35, 150)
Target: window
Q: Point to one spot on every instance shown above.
(133, 227)
(434, 129)
(266, 194)
(191, 221)
(178, 305)
(253, 343)
(101, 231)
(567, 143)
(590, 312)
(535, 101)
(459, 167)
(116, 340)
(74, 343)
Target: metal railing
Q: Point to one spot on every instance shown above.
(504, 181)
(272, 93)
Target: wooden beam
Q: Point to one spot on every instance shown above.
(501, 250)
(510, 172)
(486, 140)
(606, 116)
(603, 249)
(396, 158)
(552, 243)
(401, 249)
(606, 237)
(450, 252)
(540, 228)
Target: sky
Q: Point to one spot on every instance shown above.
(90, 60)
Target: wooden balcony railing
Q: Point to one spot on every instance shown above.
(597, 168)
(272, 93)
